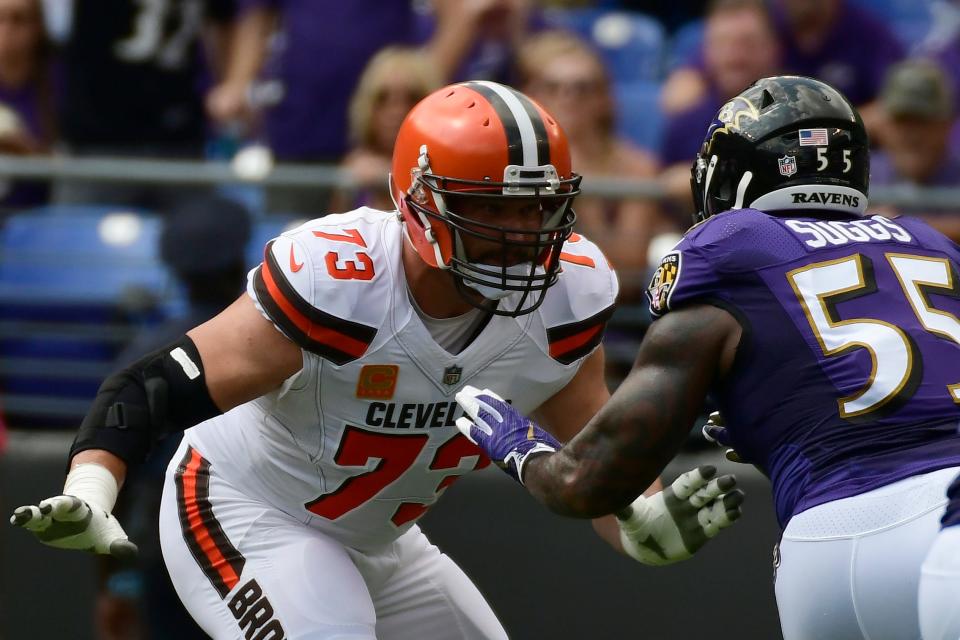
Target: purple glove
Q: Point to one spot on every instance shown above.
(715, 431)
(507, 436)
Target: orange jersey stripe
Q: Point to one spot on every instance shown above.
(329, 337)
(199, 530)
(570, 343)
(586, 261)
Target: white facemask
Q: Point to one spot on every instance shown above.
(489, 289)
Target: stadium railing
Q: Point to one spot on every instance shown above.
(55, 348)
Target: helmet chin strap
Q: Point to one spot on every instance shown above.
(742, 189)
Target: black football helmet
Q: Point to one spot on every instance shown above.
(786, 142)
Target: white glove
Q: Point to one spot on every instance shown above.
(80, 518)
(673, 524)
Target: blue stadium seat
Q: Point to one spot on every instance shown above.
(684, 43)
(80, 256)
(638, 113)
(265, 230)
(631, 44)
(75, 285)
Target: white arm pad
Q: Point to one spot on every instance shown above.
(94, 484)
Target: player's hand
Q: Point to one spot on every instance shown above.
(67, 522)
(673, 524)
(715, 431)
(80, 518)
(508, 437)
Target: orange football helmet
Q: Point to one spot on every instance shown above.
(485, 140)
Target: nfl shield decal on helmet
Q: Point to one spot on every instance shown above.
(788, 165)
(662, 282)
(451, 375)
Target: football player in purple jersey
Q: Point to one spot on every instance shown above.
(829, 339)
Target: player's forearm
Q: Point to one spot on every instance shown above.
(114, 464)
(247, 46)
(619, 454)
(579, 486)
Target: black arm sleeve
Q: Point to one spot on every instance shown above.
(163, 392)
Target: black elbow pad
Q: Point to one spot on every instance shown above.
(162, 393)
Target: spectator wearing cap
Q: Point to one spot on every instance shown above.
(919, 104)
(203, 243)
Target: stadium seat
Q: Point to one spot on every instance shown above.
(75, 284)
(631, 44)
(639, 117)
(80, 256)
(684, 44)
(265, 230)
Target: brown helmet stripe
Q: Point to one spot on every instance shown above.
(526, 132)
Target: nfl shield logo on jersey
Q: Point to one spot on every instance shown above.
(788, 165)
(451, 375)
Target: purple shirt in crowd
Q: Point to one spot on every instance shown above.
(26, 101)
(684, 132)
(321, 52)
(825, 427)
(854, 57)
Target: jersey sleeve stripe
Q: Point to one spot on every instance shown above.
(328, 336)
(219, 560)
(570, 342)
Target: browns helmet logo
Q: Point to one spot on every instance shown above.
(663, 282)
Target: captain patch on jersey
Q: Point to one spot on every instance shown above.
(663, 281)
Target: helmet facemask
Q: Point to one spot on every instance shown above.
(526, 260)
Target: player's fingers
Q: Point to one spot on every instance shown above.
(123, 549)
(718, 515)
(733, 456)
(465, 425)
(733, 499)
(65, 508)
(22, 516)
(492, 394)
(712, 490)
(688, 483)
(467, 399)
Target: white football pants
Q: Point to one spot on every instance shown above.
(940, 588)
(850, 569)
(244, 569)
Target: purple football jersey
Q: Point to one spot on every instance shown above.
(847, 377)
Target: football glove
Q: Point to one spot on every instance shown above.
(715, 431)
(508, 437)
(673, 524)
(80, 518)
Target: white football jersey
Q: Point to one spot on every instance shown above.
(362, 440)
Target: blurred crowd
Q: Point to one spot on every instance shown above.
(633, 83)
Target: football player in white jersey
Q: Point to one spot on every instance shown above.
(324, 399)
